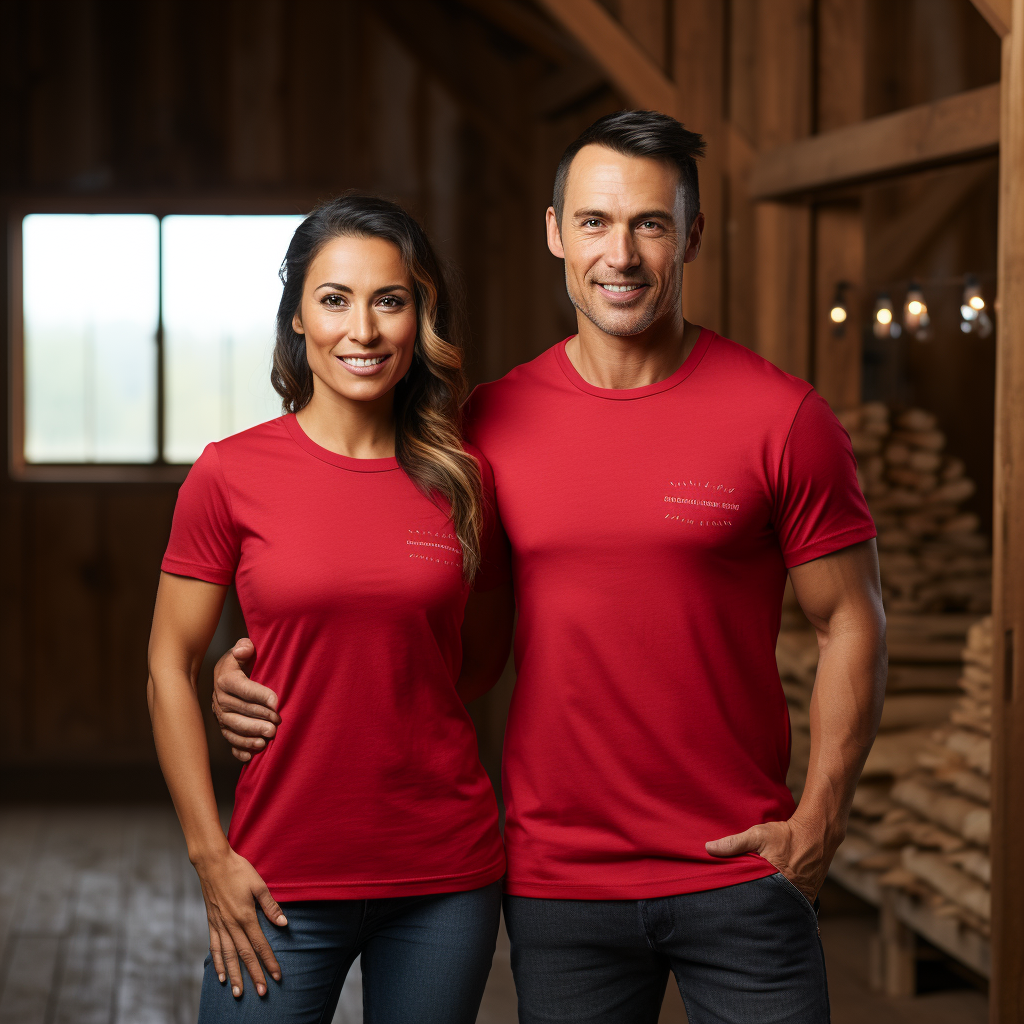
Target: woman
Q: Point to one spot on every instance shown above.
(351, 528)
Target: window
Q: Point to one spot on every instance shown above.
(144, 338)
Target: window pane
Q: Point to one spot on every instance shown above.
(221, 292)
(90, 301)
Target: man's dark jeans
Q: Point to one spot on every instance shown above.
(743, 954)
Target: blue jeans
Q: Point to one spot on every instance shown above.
(425, 960)
(742, 954)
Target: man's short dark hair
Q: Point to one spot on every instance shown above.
(641, 133)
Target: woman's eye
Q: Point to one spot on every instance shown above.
(390, 302)
(334, 301)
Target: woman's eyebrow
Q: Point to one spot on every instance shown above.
(378, 291)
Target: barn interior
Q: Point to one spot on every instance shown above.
(864, 195)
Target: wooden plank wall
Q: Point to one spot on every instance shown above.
(459, 109)
(429, 103)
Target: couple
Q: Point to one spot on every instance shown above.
(642, 489)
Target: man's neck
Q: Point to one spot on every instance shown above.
(617, 363)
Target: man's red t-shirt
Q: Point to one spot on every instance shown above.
(350, 581)
(651, 534)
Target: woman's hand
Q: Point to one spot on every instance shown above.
(232, 888)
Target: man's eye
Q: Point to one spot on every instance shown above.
(591, 223)
(649, 224)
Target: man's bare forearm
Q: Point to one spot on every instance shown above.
(846, 706)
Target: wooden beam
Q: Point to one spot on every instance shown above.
(893, 249)
(639, 79)
(958, 128)
(1006, 993)
(996, 13)
(531, 29)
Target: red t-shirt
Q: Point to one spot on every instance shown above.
(651, 533)
(350, 581)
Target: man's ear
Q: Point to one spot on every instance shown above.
(297, 324)
(693, 242)
(554, 234)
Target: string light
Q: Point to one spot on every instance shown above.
(885, 325)
(839, 312)
(915, 313)
(973, 316)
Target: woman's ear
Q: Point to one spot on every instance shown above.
(297, 324)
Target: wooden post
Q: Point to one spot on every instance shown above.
(1007, 988)
(783, 246)
(698, 72)
(839, 228)
(895, 970)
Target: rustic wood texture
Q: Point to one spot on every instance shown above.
(958, 128)
(839, 230)
(623, 59)
(459, 111)
(1008, 597)
(784, 232)
(997, 13)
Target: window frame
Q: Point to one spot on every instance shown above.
(158, 205)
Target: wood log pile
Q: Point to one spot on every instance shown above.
(920, 816)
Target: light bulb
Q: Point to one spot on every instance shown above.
(915, 312)
(915, 308)
(884, 325)
(972, 302)
(839, 313)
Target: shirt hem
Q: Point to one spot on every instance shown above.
(718, 878)
(829, 545)
(372, 890)
(206, 573)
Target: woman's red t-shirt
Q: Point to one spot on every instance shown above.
(350, 582)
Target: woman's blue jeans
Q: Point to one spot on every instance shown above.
(425, 960)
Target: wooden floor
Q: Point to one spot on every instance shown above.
(102, 922)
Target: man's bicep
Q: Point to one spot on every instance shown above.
(844, 580)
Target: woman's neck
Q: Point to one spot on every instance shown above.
(358, 430)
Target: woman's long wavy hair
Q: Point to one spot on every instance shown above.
(428, 442)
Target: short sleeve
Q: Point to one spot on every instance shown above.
(204, 540)
(495, 560)
(819, 507)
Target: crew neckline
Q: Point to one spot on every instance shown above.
(303, 440)
(689, 364)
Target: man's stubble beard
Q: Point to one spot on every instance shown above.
(646, 318)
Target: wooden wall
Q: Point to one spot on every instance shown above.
(429, 103)
(459, 109)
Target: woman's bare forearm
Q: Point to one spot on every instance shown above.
(181, 746)
(185, 618)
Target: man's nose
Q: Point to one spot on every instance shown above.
(621, 253)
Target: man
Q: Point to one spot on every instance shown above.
(657, 483)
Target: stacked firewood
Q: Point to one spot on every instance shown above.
(935, 574)
(931, 554)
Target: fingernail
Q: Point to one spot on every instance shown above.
(261, 990)
(276, 977)
(236, 991)
(221, 978)
(245, 757)
(282, 919)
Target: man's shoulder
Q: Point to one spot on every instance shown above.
(751, 375)
(516, 389)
